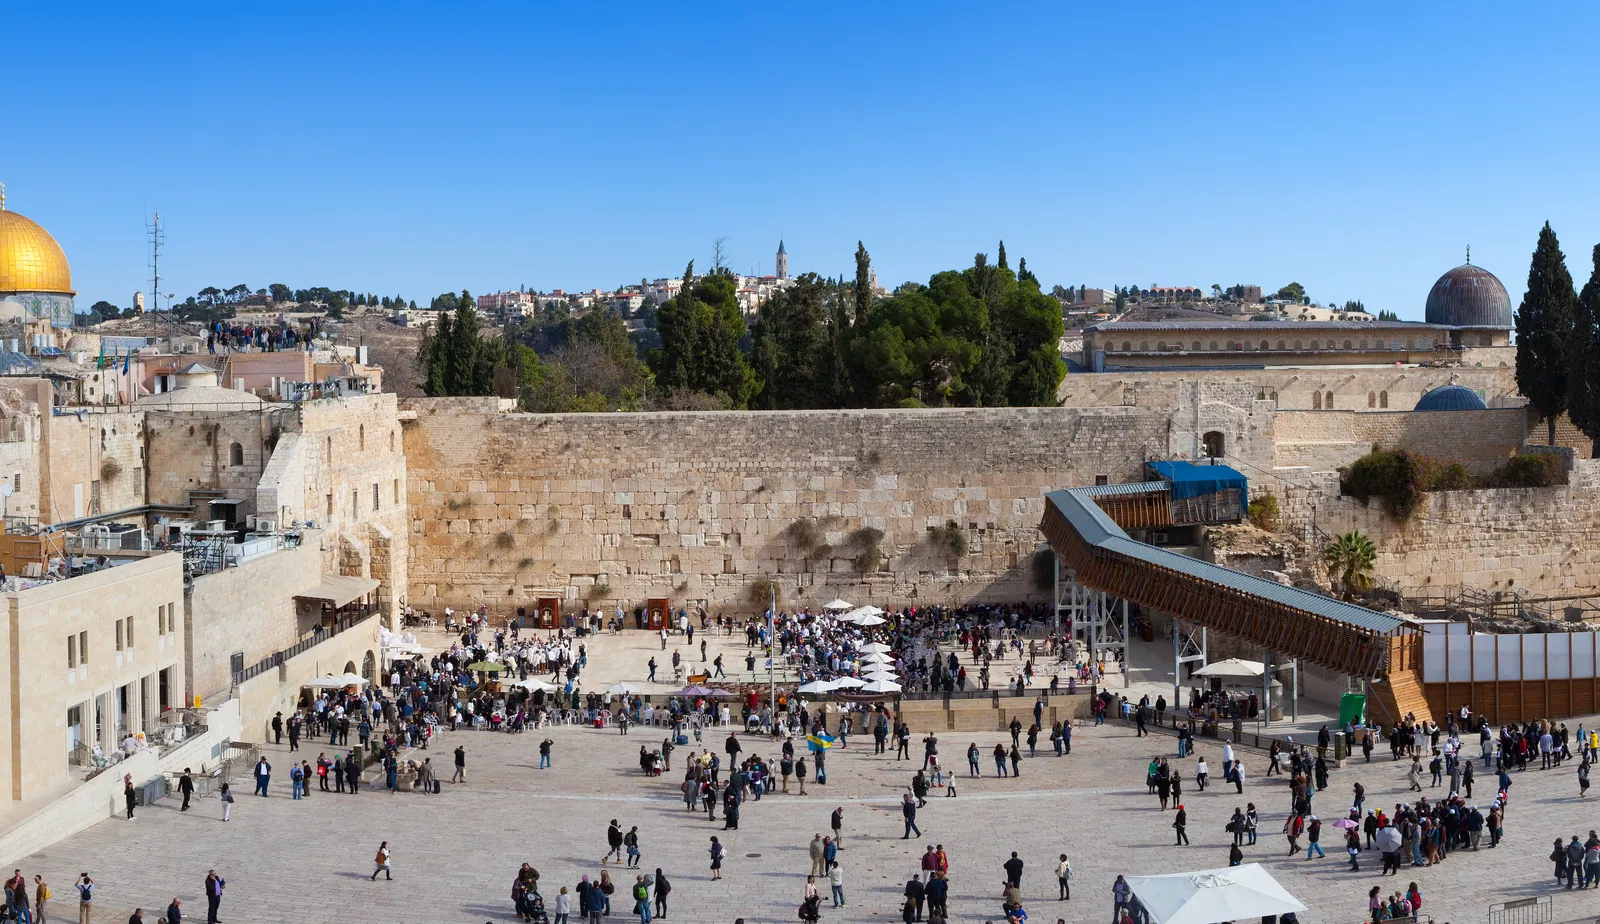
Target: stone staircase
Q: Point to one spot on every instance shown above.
(992, 712)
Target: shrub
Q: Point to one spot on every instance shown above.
(1448, 476)
(867, 542)
(1529, 470)
(505, 540)
(806, 535)
(1264, 512)
(110, 468)
(1392, 476)
(599, 592)
(949, 539)
(761, 591)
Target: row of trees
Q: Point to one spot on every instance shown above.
(214, 303)
(983, 336)
(1558, 340)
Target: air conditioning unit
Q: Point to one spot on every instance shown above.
(216, 526)
(257, 524)
(1159, 539)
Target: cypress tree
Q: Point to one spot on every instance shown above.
(1583, 376)
(1001, 258)
(462, 367)
(863, 283)
(1544, 325)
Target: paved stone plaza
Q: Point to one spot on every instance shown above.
(455, 853)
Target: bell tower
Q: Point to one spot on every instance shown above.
(783, 261)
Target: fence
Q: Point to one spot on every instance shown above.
(1453, 655)
(1537, 910)
(317, 636)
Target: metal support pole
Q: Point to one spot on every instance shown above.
(1266, 687)
(1294, 695)
(1177, 664)
(1127, 652)
(1055, 601)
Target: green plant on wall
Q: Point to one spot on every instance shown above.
(949, 539)
(1350, 558)
(761, 592)
(1264, 512)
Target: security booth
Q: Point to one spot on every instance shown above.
(547, 612)
(657, 611)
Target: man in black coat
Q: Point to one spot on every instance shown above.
(917, 893)
(1013, 868)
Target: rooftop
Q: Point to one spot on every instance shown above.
(1259, 325)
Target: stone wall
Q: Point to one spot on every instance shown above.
(1541, 541)
(192, 450)
(1327, 440)
(1387, 387)
(701, 507)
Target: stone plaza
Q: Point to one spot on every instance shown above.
(455, 854)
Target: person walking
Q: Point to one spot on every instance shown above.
(836, 821)
(1313, 837)
(1013, 868)
(1179, 823)
(717, 854)
(214, 886)
(85, 898)
(186, 788)
(836, 880)
(128, 794)
(630, 843)
(908, 810)
(663, 888)
(1064, 879)
(263, 775)
(613, 843)
(380, 862)
(226, 795)
(460, 776)
(641, 899)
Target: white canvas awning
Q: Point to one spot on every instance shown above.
(1213, 896)
(338, 590)
(1232, 667)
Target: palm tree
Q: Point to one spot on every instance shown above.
(1349, 559)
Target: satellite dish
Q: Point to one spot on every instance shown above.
(5, 489)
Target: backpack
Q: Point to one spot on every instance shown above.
(45, 892)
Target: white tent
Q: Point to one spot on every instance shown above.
(1232, 667)
(881, 686)
(847, 683)
(818, 686)
(838, 606)
(871, 620)
(1213, 896)
(877, 657)
(875, 648)
(860, 613)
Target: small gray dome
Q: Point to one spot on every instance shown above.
(1451, 398)
(1469, 296)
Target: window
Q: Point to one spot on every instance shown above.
(1144, 346)
(1102, 479)
(329, 450)
(1327, 401)
(374, 496)
(1127, 347)
(1347, 344)
(1297, 344)
(391, 441)
(130, 631)
(1316, 400)
(1486, 340)
(1313, 344)
(83, 648)
(362, 438)
(1213, 344)
(1383, 399)
(355, 501)
(119, 635)
(72, 651)
(16, 483)
(235, 455)
(1425, 344)
(1215, 442)
(1282, 345)
(1274, 397)
(94, 496)
(1372, 399)
(330, 505)
(1161, 345)
(1363, 344)
(1197, 346)
(397, 491)
(1264, 345)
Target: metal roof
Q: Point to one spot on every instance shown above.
(1469, 296)
(1118, 490)
(1101, 531)
(1309, 326)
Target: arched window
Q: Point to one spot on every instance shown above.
(1347, 344)
(1161, 345)
(1235, 345)
(1383, 399)
(1215, 442)
(1274, 397)
(235, 455)
(1363, 344)
(362, 438)
(1316, 400)
(1372, 399)
(1144, 346)
(1282, 345)
(1127, 347)
(1297, 344)
(1197, 345)
(391, 441)
(1313, 344)
(1264, 345)
(1327, 402)
(1213, 344)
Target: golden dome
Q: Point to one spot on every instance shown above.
(30, 259)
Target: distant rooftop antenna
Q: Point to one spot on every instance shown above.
(157, 238)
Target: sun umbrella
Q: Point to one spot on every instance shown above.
(817, 686)
(1232, 667)
(623, 689)
(848, 683)
(489, 666)
(696, 690)
(534, 683)
(871, 621)
(879, 670)
(328, 682)
(1347, 823)
(1388, 839)
(838, 605)
(875, 648)
(877, 657)
(881, 686)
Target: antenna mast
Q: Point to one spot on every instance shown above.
(157, 238)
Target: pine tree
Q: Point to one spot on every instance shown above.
(1544, 326)
(435, 360)
(462, 350)
(1583, 376)
(1001, 261)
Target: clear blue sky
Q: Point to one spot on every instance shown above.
(1357, 149)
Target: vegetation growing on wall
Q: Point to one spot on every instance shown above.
(1399, 478)
(1264, 512)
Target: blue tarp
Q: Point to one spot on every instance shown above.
(1191, 480)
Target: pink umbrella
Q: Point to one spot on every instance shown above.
(1347, 823)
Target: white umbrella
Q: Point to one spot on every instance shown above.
(838, 605)
(623, 689)
(818, 686)
(353, 680)
(860, 613)
(847, 683)
(881, 686)
(877, 657)
(1234, 893)
(1232, 667)
(534, 683)
(875, 648)
(892, 678)
(871, 621)
(328, 682)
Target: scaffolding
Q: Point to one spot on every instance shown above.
(1093, 617)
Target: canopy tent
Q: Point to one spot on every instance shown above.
(870, 620)
(534, 684)
(877, 657)
(1189, 479)
(875, 648)
(860, 613)
(336, 681)
(848, 683)
(1232, 667)
(880, 686)
(817, 686)
(337, 590)
(838, 605)
(1213, 896)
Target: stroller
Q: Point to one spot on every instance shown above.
(536, 912)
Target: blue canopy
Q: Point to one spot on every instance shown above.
(1191, 480)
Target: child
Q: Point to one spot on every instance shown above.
(950, 786)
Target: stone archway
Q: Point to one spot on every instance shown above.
(369, 667)
(1215, 444)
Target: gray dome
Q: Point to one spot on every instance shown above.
(1451, 398)
(1469, 296)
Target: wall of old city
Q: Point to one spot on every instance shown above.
(1539, 541)
(1327, 440)
(697, 507)
(19, 450)
(1354, 388)
(192, 450)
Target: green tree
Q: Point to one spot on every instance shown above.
(1583, 374)
(1544, 324)
(701, 329)
(1294, 292)
(792, 349)
(1000, 259)
(863, 286)
(280, 293)
(678, 321)
(434, 355)
(1350, 558)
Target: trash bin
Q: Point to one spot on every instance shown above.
(150, 790)
(1341, 746)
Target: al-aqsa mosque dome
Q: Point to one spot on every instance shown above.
(35, 279)
(1469, 296)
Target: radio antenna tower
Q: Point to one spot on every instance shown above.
(157, 238)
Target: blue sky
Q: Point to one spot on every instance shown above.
(405, 149)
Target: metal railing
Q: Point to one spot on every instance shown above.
(317, 636)
(1536, 910)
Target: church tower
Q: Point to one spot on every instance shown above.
(783, 261)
